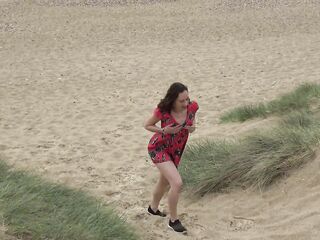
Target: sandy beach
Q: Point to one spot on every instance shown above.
(78, 79)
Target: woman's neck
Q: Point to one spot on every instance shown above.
(178, 111)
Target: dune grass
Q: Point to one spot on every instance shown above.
(35, 209)
(299, 99)
(254, 161)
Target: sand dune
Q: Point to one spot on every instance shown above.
(77, 82)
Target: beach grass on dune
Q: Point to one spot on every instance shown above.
(254, 161)
(35, 209)
(301, 98)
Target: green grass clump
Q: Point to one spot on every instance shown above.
(260, 158)
(35, 209)
(244, 113)
(256, 160)
(300, 99)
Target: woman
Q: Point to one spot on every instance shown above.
(177, 116)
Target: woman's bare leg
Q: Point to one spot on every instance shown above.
(158, 192)
(170, 172)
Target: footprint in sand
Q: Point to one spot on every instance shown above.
(140, 216)
(3, 147)
(111, 193)
(46, 144)
(241, 224)
(107, 141)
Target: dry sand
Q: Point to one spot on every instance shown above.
(78, 78)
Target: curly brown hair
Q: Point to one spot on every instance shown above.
(166, 104)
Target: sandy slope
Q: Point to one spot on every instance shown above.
(77, 82)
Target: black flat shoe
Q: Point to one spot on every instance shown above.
(157, 213)
(177, 226)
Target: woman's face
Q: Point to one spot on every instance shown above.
(182, 101)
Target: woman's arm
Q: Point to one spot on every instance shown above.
(150, 124)
(191, 128)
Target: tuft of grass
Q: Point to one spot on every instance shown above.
(202, 156)
(35, 209)
(300, 99)
(299, 119)
(244, 113)
(255, 161)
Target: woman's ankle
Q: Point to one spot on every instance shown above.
(173, 219)
(154, 207)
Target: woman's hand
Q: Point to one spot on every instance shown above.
(172, 129)
(191, 128)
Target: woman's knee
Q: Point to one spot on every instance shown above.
(163, 180)
(176, 184)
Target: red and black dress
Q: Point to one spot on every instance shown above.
(169, 147)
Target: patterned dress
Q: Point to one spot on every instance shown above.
(169, 147)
